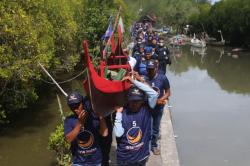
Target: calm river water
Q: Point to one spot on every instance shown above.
(211, 114)
(25, 142)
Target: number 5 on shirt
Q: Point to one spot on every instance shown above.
(134, 123)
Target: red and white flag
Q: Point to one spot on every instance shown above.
(120, 30)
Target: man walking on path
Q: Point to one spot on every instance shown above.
(161, 84)
(133, 126)
(163, 56)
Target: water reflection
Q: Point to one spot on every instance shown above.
(230, 72)
(199, 51)
(221, 54)
(176, 51)
(211, 121)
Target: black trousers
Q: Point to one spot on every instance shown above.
(105, 142)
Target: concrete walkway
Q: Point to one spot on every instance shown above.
(169, 154)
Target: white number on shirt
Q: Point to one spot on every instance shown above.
(134, 123)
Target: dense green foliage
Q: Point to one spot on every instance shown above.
(49, 32)
(168, 12)
(24, 40)
(58, 144)
(230, 16)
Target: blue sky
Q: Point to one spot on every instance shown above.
(213, 1)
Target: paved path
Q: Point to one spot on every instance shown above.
(169, 154)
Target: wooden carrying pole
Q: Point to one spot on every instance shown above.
(65, 94)
(60, 107)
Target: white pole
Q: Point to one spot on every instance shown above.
(60, 107)
(65, 94)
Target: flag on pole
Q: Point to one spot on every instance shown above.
(120, 30)
(110, 42)
(108, 32)
(121, 25)
(108, 37)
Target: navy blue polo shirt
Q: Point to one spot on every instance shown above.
(85, 148)
(163, 54)
(161, 82)
(133, 145)
(87, 104)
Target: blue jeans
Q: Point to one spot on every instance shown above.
(86, 165)
(128, 163)
(156, 121)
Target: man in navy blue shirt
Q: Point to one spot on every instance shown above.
(138, 55)
(133, 126)
(82, 130)
(105, 142)
(140, 52)
(137, 46)
(160, 83)
(163, 56)
(142, 63)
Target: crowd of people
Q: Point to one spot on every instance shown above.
(148, 45)
(135, 125)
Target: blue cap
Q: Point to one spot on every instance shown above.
(151, 64)
(148, 50)
(135, 94)
(74, 99)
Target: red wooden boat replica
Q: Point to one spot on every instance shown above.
(105, 94)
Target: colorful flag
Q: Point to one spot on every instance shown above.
(120, 30)
(108, 32)
(121, 25)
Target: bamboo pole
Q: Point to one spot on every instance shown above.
(60, 107)
(65, 94)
